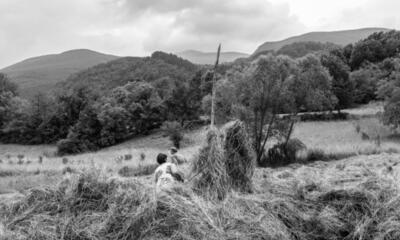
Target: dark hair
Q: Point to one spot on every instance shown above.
(161, 158)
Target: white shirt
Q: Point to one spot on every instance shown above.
(163, 176)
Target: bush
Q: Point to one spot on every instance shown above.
(65, 160)
(308, 117)
(282, 154)
(174, 131)
(128, 157)
(142, 157)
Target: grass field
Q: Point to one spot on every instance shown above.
(285, 204)
(335, 137)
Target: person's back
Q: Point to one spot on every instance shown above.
(166, 174)
(163, 175)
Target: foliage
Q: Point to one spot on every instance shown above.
(7, 86)
(375, 48)
(301, 49)
(174, 131)
(365, 84)
(282, 154)
(342, 87)
(132, 109)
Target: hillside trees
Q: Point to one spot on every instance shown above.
(375, 48)
(132, 109)
(342, 86)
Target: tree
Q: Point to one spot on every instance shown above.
(365, 82)
(342, 87)
(262, 94)
(7, 86)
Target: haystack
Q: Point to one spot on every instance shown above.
(239, 158)
(209, 168)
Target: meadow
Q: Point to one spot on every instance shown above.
(318, 200)
(341, 138)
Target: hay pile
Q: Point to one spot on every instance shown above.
(90, 206)
(225, 163)
(239, 157)
(211, 179)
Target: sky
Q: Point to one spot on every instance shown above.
(31, 28)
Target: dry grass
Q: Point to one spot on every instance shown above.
(322, 201)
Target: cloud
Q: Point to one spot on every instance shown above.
(138, 27)
(238, 25)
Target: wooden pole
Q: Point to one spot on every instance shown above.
(214, 87)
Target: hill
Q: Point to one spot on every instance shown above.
(41, 74)
(209, 57)
(336, 37)
(118, 72)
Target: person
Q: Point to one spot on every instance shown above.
(166, 174)
(176, 157)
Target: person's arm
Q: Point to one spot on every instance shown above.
(173, 170)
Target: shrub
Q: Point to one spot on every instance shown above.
(65, 160)
(128, 157)
(142, 157)
(174, 131)
(307, 117)
(315, 154)
(282, 154)
(20, 158)
(239, 157)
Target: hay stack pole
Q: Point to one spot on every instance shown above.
(214, 88)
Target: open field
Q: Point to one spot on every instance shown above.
(320, 200)
(334, 137)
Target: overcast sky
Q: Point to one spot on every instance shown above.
(139, 27)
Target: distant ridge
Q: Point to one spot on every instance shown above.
(41, 74)
(342, 38)
(199, 57)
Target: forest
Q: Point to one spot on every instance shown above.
(128, 97)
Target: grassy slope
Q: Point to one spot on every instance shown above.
(209, 57)
(40, 74)
(336, 37)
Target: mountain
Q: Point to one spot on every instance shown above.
(158, 67)
(209, 57)
(41, 74)
(336, 37)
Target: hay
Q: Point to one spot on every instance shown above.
(239, 158)
(209, 168)
(91, 206)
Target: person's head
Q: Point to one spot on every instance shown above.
(161, 158)
(173, 150)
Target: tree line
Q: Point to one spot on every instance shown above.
(112, 102)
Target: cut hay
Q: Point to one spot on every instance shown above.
(211, 179)
(239, 158)
(91, 206)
